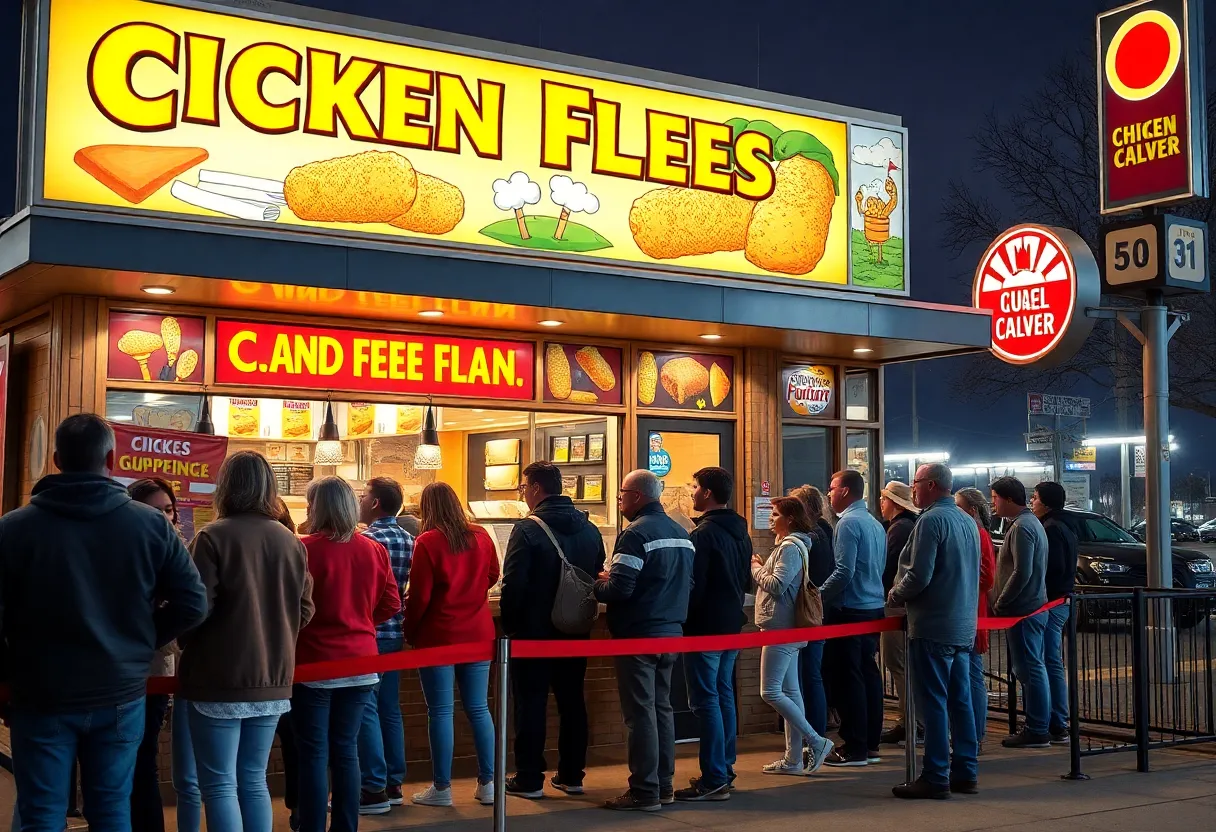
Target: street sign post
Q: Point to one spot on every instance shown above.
(1046, 404)
(1162, 252)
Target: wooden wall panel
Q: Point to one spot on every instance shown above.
(30, 395)
(74, 356)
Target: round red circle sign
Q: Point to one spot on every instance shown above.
(1028, 281)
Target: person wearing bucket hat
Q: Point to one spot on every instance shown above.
(900, 515)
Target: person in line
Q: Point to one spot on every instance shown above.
(1021, 575)
(852, 594)
(721, 576)
(779, 580)
(646, 589)
(1047, 503)
(973, 501)
(353, 590)
(382, 736)
(455, 565)
(147, 810)
(896, 506)
(822, 562)
(287, 737)
(123, 587)
(938, 583)
(259, 596)
(531, 573)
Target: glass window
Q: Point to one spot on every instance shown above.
(806, 457)
(861, 387)
(1100, 530)
(862, 452)
(153, 410)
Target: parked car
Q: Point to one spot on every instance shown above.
(1207, 532)
(1179, 530)
(1111, 559)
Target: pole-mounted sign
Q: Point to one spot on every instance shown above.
(1152, 114)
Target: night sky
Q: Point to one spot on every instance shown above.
(940, 68)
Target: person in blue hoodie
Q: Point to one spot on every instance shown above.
(91, 584)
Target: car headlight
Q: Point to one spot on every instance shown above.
(1104, 567)
(1200, 567)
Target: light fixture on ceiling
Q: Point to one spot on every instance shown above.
(205, 425)
(712, 336)
(551, 323)
(862, 351)
(157, 290)
(428, 457)
(431, 313)
(329, 444)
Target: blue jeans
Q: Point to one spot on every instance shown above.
(779, 689)
(1053, 640)
(941, 688)
(185, 772)
(814, 694)
(979, 695)
(326, 722)
(711, 696)
(104, 740)
(437, 687)
(231, 755)
(1026, 652)
(381, 737)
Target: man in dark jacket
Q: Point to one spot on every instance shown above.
(900, 514)
(531, 572)
(1047, 503)
(91, 584)
(721, 577)
(646, 591)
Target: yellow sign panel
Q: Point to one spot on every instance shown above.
(160, 108)
(1084, 454)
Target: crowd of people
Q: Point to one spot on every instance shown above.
(232, 612)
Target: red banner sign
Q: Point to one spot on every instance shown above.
(318, 358)
(190, 462)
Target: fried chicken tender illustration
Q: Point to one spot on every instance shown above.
(648, 378)
(557, 371)
(676, 222)
(186, 364)
(584, 397)
(719, 384)
(789, 230)
(684, 378)
(437, 209)
(373, 186)
(140, 345)
(596, 367)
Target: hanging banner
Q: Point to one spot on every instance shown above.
(190, 462)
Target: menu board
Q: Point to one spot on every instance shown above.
(292, 480)
(244, 418)
(359, 419)
(297, 419)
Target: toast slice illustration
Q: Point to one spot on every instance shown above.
(134, 171)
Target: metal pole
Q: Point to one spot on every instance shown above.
(909, 711)
(503, 658)
(1074, 695)
(1011, 696)
(1140, 677)
(1125, 486)
(1057, 452)
(1156, 441)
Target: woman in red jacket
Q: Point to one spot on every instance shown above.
(454, 567)
(353, 591)
(973, 501)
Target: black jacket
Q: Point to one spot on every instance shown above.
(531, 568)
(650, 579)
(91, 584)
(898, 533)
(1061, 574)
(721, 574)
(823, 558)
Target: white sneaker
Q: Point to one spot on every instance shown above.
(783, 767)
(434, 797)
(819, 753)
(484, 794)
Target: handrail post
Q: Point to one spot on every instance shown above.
(503, 657)
(909, 710)
(1140, 676)
(1074, 697)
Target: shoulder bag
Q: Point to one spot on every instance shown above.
(808, 605)
(575, 609)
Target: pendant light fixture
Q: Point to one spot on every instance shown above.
(329, 445)
(428, 457)
(205, 425)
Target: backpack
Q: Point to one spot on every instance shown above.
(808, 606)
(575, 609)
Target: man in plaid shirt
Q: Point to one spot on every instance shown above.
(381, 738)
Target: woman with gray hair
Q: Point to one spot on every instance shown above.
(973, 501)
(259, 597)
(353, 590)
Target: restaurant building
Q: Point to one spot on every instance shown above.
(327, 236)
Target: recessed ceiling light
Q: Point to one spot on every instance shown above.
(712, 336)
(488, 419)
(862, 351)
(479, 410)
(431, 313)
(157, 290)
(550, 323)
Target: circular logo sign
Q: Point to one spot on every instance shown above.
(808, 390)
(659, 461)
(1143, 55)
(1032, 283)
